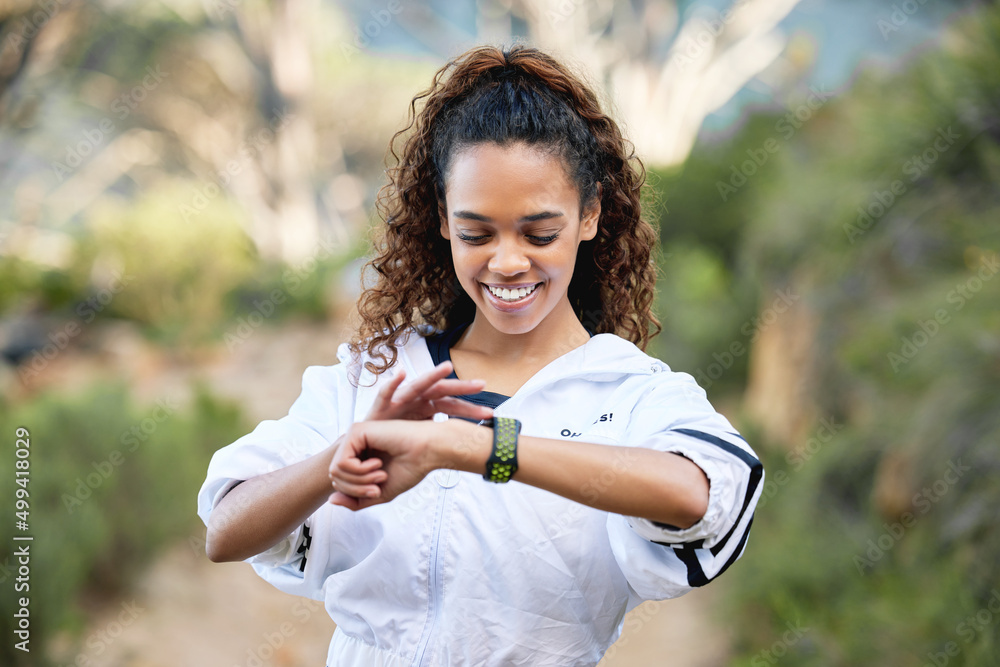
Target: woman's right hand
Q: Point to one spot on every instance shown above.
(430, 393)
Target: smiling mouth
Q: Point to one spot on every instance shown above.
(512, 295)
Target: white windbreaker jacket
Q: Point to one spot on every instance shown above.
(461, 571)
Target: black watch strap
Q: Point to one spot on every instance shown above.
(502, 463)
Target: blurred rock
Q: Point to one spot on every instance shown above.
(21, 335)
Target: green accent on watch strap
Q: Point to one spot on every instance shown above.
(502, 463)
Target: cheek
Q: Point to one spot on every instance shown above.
(466, 261)
(560, 263)
(459, 256)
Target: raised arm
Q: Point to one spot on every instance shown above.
(632, 481)
(259, 512)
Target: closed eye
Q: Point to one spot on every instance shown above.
(481, 238)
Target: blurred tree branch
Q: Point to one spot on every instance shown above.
(664, 97)
(226, 95)
(20, 25)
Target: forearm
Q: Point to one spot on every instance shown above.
(259, 512)
(633, 481)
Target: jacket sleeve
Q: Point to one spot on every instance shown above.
(320, 414)
(662, 561)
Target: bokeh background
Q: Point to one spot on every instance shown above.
(186, 190)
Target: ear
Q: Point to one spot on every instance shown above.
(591, 217)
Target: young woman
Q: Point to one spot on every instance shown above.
(514, 285)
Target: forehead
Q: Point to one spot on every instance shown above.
(518, 171)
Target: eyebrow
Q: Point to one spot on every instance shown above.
(544, 215)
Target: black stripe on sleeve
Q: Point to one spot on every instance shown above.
(720, 443)
(686, 552)
(756, 472)
(304, 547)
(689, 556)
(695, 574)
(739, 549)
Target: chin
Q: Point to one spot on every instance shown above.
(512, 326)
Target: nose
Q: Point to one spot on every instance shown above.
(509, 258)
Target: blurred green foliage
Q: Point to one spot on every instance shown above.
(882, 213)
(174, 273)
(111, 484)
(703, 306)
(184, 282)
(882, 235)
(50, 289)
(308, 288)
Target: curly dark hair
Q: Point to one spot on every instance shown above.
(504, 96)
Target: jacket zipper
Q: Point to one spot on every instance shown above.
(434, 578)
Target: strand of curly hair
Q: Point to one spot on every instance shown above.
(613, 285)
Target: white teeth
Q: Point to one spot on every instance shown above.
(511, 295)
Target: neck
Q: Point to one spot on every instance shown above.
(554, 336)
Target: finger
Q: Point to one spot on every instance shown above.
(353, 504)
(356, 466)
(453, 387)
(344, 500)
(425, 381)
(350, 453)
(340, 478)
(386, 392)
(358, 490)
(456, 407)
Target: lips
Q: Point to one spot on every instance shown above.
(511, 293)
(511, 298)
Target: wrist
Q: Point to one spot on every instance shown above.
(464, 446)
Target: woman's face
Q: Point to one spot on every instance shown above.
(514, 224)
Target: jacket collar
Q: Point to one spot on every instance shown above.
(603, 357)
